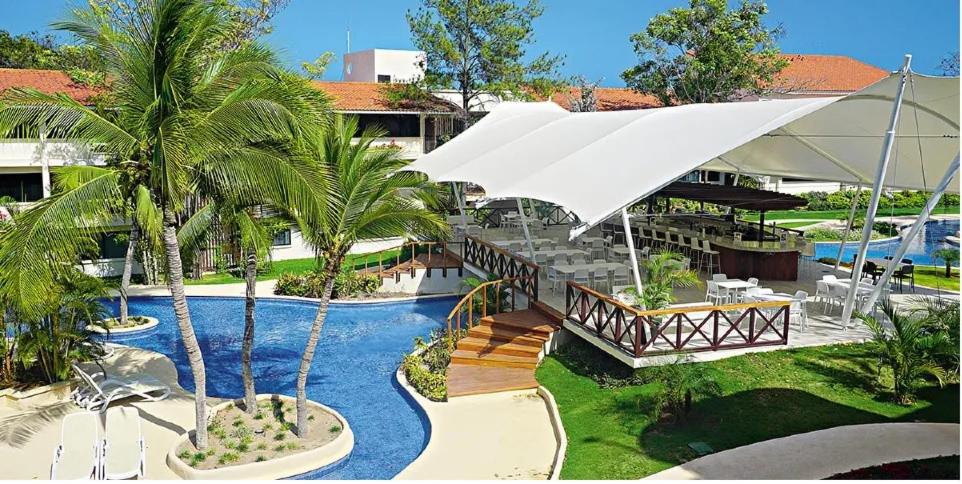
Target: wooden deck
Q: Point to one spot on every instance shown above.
(501, 353)
(446, 261)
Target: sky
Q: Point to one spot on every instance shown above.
(593, 35)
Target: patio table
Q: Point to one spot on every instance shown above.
(505, 243)
(568, 270)
(554, 253)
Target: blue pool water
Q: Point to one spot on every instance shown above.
(920, 251)
(353, 371)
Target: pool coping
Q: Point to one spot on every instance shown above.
(426, 404)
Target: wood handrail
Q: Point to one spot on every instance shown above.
(468, 300)
(504, 252)
(687, 309)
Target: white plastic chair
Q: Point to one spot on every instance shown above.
(822, 294)
(715, 294)
(582, 277)
(719, 277)
(578, 259)
(124, 456)
(78, 454)
(753, 281)
(798, 309)
(553, 277)
(599, 278)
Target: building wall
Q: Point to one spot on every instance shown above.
(400, 65)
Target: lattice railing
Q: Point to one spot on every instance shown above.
(502, 263)
(677, 330)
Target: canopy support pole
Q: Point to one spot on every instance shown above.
(629, 240)
(913, 232)
(848, 226)
(456, 188)
(876, 195)
(524, 225)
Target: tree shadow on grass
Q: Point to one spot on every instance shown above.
(747, 417)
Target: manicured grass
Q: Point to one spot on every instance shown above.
(934, 277)
(795, 225)
(294, 266)
(611, 434)
(840, 214)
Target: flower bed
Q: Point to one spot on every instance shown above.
(134, 323)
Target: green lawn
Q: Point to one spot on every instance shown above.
(765, 395)
(839, 214)
(795, 225)
(295, 266)
(934, 277)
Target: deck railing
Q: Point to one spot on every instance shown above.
(677, 330)
(494, 297)
(502, 263)
(381, 262)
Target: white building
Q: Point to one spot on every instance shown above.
(383, 65)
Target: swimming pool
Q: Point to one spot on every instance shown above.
(353, 371)
(920, 251)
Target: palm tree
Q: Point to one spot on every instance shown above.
(663, 272)
(252, 236)
(365, 197)
(910, 349)
(181, 106)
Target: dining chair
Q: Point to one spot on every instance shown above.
(719, 277)
(581, 276)
(798, 310)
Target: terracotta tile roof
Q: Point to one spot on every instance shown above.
(609, 99)
(827, 73)
(369, 96)
(45, 81)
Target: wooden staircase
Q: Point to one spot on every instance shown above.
(502, 352)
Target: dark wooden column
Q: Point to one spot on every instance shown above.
(761, 226)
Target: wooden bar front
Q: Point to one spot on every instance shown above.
(767, 266)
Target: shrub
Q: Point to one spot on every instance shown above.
(682, 381)
(348, 283)
(426, 369)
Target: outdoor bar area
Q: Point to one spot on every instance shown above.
(609, 173)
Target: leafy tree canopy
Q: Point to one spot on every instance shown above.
(479, 46)
(706, 53)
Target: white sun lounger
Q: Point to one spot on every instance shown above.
(78, 455)
(97, 395)
(123, 447)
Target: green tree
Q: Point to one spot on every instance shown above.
(478, 46)
(949, 256)
(663, 271)
(179, 111)
(365, 197)
(706, 53)
(315, 70)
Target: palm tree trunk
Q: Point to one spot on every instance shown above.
(128, 268)
(175, 274)
(250, 401)
(329, 273)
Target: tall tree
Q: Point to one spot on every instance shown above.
(179, 109)
(706, 53)
(365, 197)
(950, 64)
(587, 101)
(478, 46)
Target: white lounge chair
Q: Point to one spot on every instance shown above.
(123, 447)
(97, 395)
(78, 454)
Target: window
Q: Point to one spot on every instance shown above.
(396, 125)
(22, 187)
(113, 245)
(383, 78)
(282, 238)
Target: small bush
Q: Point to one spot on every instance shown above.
(228, 457)
(348, 283)
(426, 370)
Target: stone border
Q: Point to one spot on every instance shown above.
(559, 432)
(36, 396)
(151, 323)
(287, 466)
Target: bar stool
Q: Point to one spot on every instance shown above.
(695, 252)
(657, 240)
(712, 257)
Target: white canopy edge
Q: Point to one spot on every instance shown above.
(594, 164)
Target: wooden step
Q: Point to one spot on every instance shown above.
(470, 357)
(473, 380)
(485, 345)
(507, 335)
(528, 320)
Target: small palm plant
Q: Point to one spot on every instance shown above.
(662, 273)
(682, 381)
(909, 349)
(949, 256)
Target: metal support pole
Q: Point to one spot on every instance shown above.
(629, 240)
(524, 225)
(458, 195)
(848, 225)
(876, 194)
(950, 172)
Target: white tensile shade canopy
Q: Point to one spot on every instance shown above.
(594, 164)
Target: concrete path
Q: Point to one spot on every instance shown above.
(505, 435)
(823, 453)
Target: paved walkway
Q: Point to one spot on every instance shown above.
(823, 453)
(505, 435)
